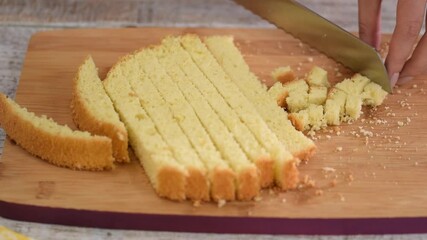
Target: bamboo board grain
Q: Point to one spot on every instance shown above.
(384, 178)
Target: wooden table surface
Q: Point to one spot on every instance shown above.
(19, 19)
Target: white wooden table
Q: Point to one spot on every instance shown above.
(19, 19)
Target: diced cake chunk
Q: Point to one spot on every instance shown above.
(278, 93)
(373, 95)
(335, 106)
(296, 101)
(317, 95)
(353, 107)
(318, 77)
(283, 74)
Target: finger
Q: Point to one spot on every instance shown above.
(370, 22)
(417, 64)
(409, 19)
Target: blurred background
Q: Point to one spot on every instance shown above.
(19, 19)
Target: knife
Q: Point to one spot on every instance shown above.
(323, 35)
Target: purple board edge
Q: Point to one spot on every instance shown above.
(212, 224)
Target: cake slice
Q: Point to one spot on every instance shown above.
(230, 58)
(283, 74)
(167, 176)
(285, 164)
(234, 140)
(94, 112)
(278, 93)
(169, 129)
(220, 176)
(57, 144)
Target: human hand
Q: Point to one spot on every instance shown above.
(403, 61)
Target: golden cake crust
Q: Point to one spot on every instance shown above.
(75, 152)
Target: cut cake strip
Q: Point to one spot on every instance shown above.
(230, 58)
(286, 172)
(184, 115)
(167, 176)
(211, 110)
(57, 144)
(197, 184)
(93, 111)
(221, 177)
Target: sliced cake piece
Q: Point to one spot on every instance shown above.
(230, 58)
(373, 95)
(286, 173)
(318, 77)
(353, 107)
(221, 177)
(297, 98)
(283, 74)
(299, 85)
(311, 118)
(296, 101)
(166, 175)
(317, 95)
(335, 106)
(219, 121)
(278, 93)
(57, 144)
(169, 129)
(94, 112)
(353, 85)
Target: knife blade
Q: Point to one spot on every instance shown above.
(323, 35)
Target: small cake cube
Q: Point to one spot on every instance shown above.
(283, 74)
(318, 77)
(278, 93)
(373, 95)
(317, 95)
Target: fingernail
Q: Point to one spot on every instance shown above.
(394, 78)
(406, 79)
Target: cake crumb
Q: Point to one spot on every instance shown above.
(333, 183)
(400, 123)
(342, 198)
(310, 59)
(328, 137)
(339, 149)
(196, 203)
(319, 192)
(221, 203)
(414, 86)
(416, 163)
(258, 199)
(283, 200)
(328, 169)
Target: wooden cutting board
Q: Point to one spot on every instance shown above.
(376, 184)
